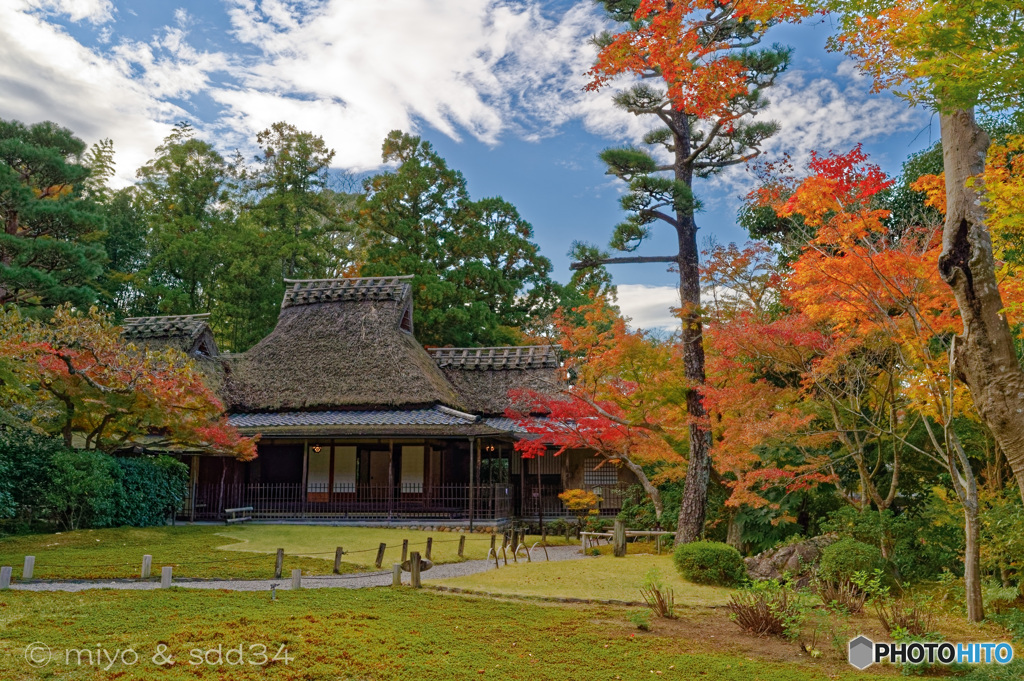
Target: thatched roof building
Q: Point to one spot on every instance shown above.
(340, 343)
(189, 333)
(485, 376)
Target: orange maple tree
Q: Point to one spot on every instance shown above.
(74, 376)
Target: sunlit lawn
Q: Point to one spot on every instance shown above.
(375, 634)
(604, 578)
(209, 551)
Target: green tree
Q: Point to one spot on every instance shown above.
(292, 202)
(479, 278)
(183, 192)
(711, 80)
(49, 249)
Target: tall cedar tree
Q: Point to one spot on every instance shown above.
(479, 278)
(953, 57)
(705, 54)
(49, 249)
(293, 203)
(183, 192)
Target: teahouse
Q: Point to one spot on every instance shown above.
(357, 421)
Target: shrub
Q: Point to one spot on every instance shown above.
(83, 489)
(28, 458)
(151, 488)
(843, 596)
(705, 562)
(767, 609)
(659, 597)
(841, 560)
(923, 541)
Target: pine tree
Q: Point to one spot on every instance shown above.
(49, 252)
(712, 78)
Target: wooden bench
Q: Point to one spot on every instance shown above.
(234, 517)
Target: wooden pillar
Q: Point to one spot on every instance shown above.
(472, 497)
(391, 478)
(540, 496)
(305, 476)
(414, 569)
(620, 539)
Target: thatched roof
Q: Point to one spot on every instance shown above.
(484, 376)
(189, 333)
(340, 344)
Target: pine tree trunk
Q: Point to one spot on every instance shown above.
(985, 356)
(695, 490)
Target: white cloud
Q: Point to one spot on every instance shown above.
(649, 307)
(94, 11)
(45, 74)
(354, 71)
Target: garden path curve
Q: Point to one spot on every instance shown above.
(350, 581)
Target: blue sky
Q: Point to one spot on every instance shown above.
(495, 85)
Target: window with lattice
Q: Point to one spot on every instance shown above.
(598, 477)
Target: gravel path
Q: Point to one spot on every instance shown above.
(355, 581)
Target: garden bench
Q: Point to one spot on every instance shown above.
(234, 517)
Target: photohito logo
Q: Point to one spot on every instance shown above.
(864, 652)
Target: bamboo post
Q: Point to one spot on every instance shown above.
(26, 571)
(337, 560)
(165, 577)
(405, 550)
(620, 539)
(430, 545)
(5, 577)
(380, 554)
(462, 546)
(147, 566)
(414, 569)
(396, 575)
(279, 564)
(296, 579)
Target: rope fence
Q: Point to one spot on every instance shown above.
(511, 539)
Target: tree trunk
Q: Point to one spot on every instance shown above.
(986, 359)
(972, 563)
(734, 535)
(695, 490)
(651, 489)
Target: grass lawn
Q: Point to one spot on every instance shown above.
(209, 551)
(380, 634)
(604, 578)
(361, 542)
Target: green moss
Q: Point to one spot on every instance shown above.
(367, 634)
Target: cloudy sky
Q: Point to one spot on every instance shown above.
(496, 85)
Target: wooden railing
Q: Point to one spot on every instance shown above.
(283, 501)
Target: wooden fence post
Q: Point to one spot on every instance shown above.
(430, 545)
(165, 577)
(147, 566)
(279, 564)
(380, 554)
(396, 575)
(462, 546)
(296, 579)
(405, 550)
(620, 539)
(26, 571)
(5, 577)
(493, 539)
(414, 569)
(337, 560)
